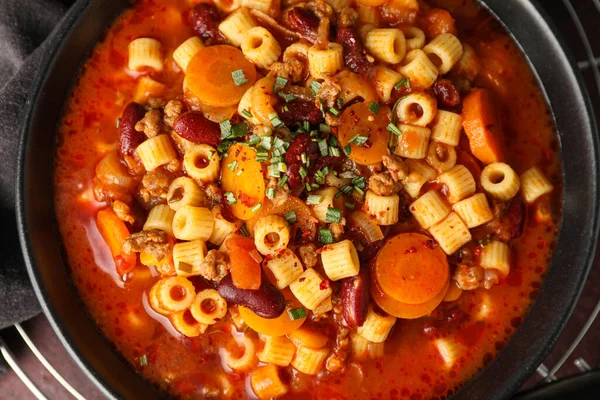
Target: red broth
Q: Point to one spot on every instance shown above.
(481, 320)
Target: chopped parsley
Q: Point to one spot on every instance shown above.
(325, 236)
(290, 217)
(275, 121)
(224, 146)
(374, 108)
(246, 113)
(254, 139)
(303, 172)
(333, 215)
(232, 165)
(349, 205)
(323, 147)
(324, 128)
(287, 97)
(297, 313)
(334, 111)
(359, 140)
(347, 149)
(273, 171)
(266, 142)
(403, 81)
(270, 193)
(256, 207)
(394, 129)
(283, 180)
(238, 77)
(225, 126)
(261, 154)
(279, 84)
(314, 199)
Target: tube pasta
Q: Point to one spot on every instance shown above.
(385, 79)
(278, 350)
(185, 323)
(260, 47)
(496, 255)
(364, 30)
(444, 51)
(266, 6)
(413, 142)
(148, 87)
(377, 326)
(309, 361)
(193, 223)
(222, 227)
(186, 51)
(419, 174)
(459, 181)
(415, 38)
(236, 24)
(172, 294)
(201, 162)
(474, 211)
(407, 106)
(387, 45)
(246, 361)
(208, 307)
(450, 350)
(308, 289)
(271, 234)
(156, 151)
(320, 209)
(368, 15)
(441, 156)
(325, 62)
(446, 127)
(451, 233)
(267, 384)
(534, 184)
(188, 256)
(429, 209)
(500, 181)
(417, 67)
(183, 191)
(340, 260)
(384, 209)
(285, 267)
(468, 65)
(145, 52)
(160, 217)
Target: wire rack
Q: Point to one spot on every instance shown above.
(575, 352)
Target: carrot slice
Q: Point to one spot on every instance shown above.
(436, 21)
(208, 75)
(403, 310)
(357, 121)
(279, 326)
(453, 293)
(481, 125)
(410, 270)
(115, 232)
(245, 180)
(244, 269)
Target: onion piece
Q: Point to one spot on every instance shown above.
(367, 225)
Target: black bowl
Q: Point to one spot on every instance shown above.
(50, 275)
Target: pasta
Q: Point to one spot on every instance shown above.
(420, 173)
(278, 350)
(236, 24)
(306, 337)
(188, 256)
(446, 128)
(441, 156)
(444, 51)
(201, 163)
(363, 349)
(387, 45)
(384, 209)
(193, 223)
(500, 181)
(265, 6)
(183, 191)
(148, 87)
(364, 30)
(460, 183)
(413, 142)
(429, 209)
(495, 255)
(416, 109)
(160, 217)
(222, 227)
(260, 47)
(450, 350)
(246, 361)
(534, 184)
(186, 51)
(451, 233)
(324, 307)
(385, 80)
(172, 294)
(309, 290)
(266, 383)
(325, 62)
(309, 361)
(326, 197)
(145, 52)
(271, 234)
(377, 326)
(208, 307)
(419, 69)
(415, 38)
(368, 15)
(156, 151)
(474, 211)
(340, 260)
(469, 64)
(185, 323)
(285, 267)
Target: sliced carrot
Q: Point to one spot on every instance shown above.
(308, 337)
(209, 76)
(115, 232)
(482, 127)
(454, 292)
(245, 181)
(436, 21)
(279, 326)
(410, 270)
(357, 121)
(244, 269)
(403, 310)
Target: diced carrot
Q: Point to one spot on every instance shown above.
(410, 270)
(208, 75)
(482, 127)
(279, 326)
(245, 270)
(308, 337)
(435, 22)
(115, 232)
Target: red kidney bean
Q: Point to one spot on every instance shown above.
(355, 298)
(299, 111)
(266, 301)
(303, 21)
(446, 93)
(354, 55)
(293, 158)
(129, 138)
(204, 19)
(194, 126)
(443, 319)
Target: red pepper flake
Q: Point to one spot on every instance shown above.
(247, 200)
(302, 279)
(324, 284)
(411, 250)
(430, 244)
(477, 251)
(305, 234)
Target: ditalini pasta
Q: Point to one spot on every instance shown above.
(419, 174)
(183, 191)
(285, 266)
(145, 52)
(278, 350)
(446, 128)
(260, 47)
(384, 209)
(186, 51)
(271, 234)
(496, 255)
(429, 209)
(309, 289)
(415, 38)
(387, 45)
(451, 233)
(325, 62)
(340, 260)
(188, 257)
(267, 384)
(385, 80)
(223, 227)
(441, 156)
(407, 107)
(444, 51)
(421, 71)
(193, 223)
(534, 184)
(377, 326)
(236, 25)
(413, 142)
(308, 360)
(160, 217)
(459, 181)
(500, 181)
(156, 151)
(201, 162)
(474, 211)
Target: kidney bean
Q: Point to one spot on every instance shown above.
(446, 93)
(355, 298)
(194, 126)
(303, 21)
(204, 19)
(299, 111)
(266, 301)
(129, 138)
(354, 55)
(303, 143)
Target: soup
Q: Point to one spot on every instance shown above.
(340, 199)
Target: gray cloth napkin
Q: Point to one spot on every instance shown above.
(24, 26)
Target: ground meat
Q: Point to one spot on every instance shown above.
(382, 184)
(172, 110)
(155, 102)
(123, 211)
(213, 193)
(337, 230)
(154, 241)
(215, 265)
(328, 92)
(281, 192)
(509, 220)
(155, 184)
(174, 165)
(308, 255)
(151, 124)
(474, 277)
(347, 17)
(396, 167)
(339, 355)
(292, 69)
